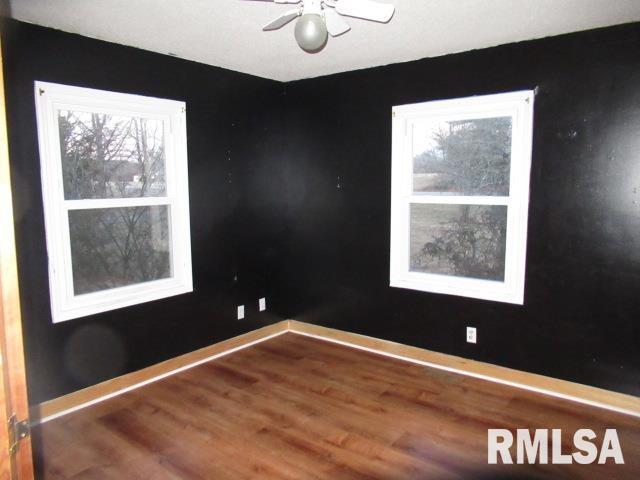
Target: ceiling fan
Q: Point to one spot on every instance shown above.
(321, 17)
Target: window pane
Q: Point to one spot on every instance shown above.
(115, 247)
(464, 157)
(460, 240)
(111, 156)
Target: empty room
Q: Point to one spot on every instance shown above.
(320, 239)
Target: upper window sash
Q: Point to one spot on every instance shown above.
(482, 107)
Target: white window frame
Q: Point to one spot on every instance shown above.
(65, 305)
(519, 106)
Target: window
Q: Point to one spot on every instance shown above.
(116, 200)
(460, 194)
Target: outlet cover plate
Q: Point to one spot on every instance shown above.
(471, 335)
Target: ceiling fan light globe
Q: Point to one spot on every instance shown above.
(311, 32)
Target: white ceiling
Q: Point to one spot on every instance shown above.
(227, 33)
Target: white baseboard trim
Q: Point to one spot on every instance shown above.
(58, 408)
(583, 394)
(619, 402)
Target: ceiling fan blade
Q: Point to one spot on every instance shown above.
(335, 23)
(282, 20)
(366, 9)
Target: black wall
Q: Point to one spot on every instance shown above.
(582, 297)
(290, 198)
(236, 222)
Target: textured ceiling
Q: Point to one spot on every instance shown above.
(227, 33)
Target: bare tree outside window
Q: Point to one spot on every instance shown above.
(460, 240)
(110, 156)
(463, 157)
(116, 247)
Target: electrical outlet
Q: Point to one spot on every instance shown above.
(240, 312)
(262, 304)
(471, 335)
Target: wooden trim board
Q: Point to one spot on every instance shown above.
(11, 349)
(597, 397)
(130, 381)
(618, 402)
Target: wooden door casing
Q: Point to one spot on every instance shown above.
(13, 398)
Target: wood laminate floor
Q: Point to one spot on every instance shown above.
(298, 408)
